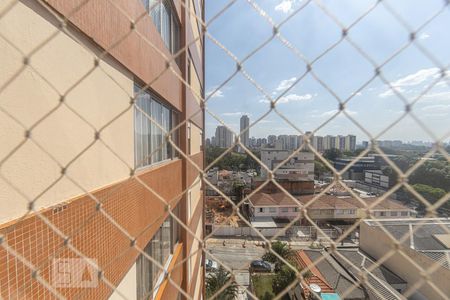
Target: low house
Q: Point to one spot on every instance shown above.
(323, 209)
(278, 205)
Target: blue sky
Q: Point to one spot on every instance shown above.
(308, 105)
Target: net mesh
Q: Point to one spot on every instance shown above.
(29, 260)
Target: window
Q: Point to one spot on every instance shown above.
(164, 18)
(393, 213)
(272, 209)
(261, 209)
(150, 142)
(404, 213)
(382, 213)
(160, 248)
(295, 209)
(284, 209)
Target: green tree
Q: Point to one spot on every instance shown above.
(430, 193)
(332, 154)
(282, 249)
(320, 169)
(216, 280)
(238, 189)
(283, 278)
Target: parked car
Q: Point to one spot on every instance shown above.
(211, 265)
(260, 266)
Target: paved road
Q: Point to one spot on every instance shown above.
(235, 256)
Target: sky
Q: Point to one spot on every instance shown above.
(339, 73)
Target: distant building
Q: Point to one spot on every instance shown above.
(208, 142)
(350, 143)
(376, 178)
(300, 165)
(271, 139)
(245, 130)
(329, 142)
(318, 143)
(424, 246)
(223, 137)
(365, 144)
(357, 169)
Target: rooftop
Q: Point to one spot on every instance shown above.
(341, 270)
(323, 202)
(428, 236)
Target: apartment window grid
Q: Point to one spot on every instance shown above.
(7, 244)
(152, 121)
(166, 22)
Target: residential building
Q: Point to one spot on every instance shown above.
(245, 130)
(271, 139)
(424, 246)
(325, 209)
(100, 176)
(318, 143)
(329, 142)
(357, 169)
(223, 137)
(350, 143)
(301, 164)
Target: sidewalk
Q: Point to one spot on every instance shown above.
(243, 242)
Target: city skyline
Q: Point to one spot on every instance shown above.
(308, 104)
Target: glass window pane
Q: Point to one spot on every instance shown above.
(146, 4)
(155, 13)
(166, 125)
(166, 24)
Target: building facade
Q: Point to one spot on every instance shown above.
(223, 137)
(245, 130)
(99, 172)
(301, 164)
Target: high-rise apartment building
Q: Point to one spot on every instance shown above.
(95, 104)
(223, 137)
(245, 130)
(350, 143)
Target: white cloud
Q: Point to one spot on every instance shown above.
(416, 78)
(215, 94)
(411, 80)
(438, 96)
(357, 94)
(284, 84)
(291, 98)
(330, 113)
(424, 36)
(436, 107)
(285, 6)
(234, 114)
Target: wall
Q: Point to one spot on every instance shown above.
(127, 287)
(62, 134)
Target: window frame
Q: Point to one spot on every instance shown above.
(153, 106)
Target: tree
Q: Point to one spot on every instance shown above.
(320, 169)
(218, 279)
(283, 278)
(238, 189)
(332, 154)
(282, 249)
(430, 193)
